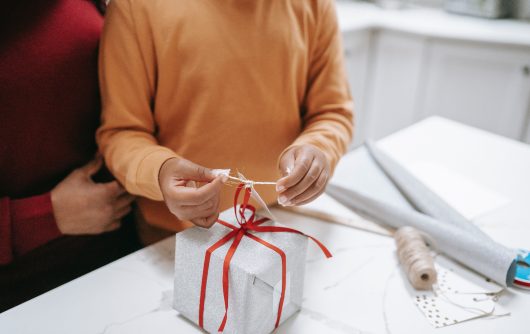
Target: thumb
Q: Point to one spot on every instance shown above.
(92, 167)
(193, 172)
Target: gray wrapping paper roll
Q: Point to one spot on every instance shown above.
(485, 256)
(420, 196)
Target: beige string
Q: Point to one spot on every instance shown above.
(233, 180)
(415, 257)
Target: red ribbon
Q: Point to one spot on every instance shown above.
(245, 226)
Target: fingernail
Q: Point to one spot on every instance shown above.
(283, 200)
(288, 170)
(280, 188)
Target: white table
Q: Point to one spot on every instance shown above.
(361, 289)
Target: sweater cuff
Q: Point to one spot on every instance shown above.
(6, 248)
(33, 223)
(148, 171)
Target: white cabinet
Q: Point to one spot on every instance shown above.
(483, 85)
(410, 64)
(406, 77)
(393, 82)
(357, 62)
(527, 136)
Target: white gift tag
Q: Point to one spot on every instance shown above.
(255, 195)
(450, 309)
(458, 297)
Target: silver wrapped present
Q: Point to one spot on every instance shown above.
(254, 277)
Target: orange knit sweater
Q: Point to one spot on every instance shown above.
(225, 84)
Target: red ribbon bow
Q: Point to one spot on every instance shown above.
(245, 226)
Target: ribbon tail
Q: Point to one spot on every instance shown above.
(324, 249)
(205, 268)
(284, 273)
(226, 271)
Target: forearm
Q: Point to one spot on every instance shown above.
(135, 159)
(328, 107)
(127, 80)
(330, 130)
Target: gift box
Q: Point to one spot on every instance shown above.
(243, 275)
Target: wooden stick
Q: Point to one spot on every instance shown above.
(361, 224)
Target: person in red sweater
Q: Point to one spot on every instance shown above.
(53, 215)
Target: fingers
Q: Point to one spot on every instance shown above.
(112, 226)
(199, 205)
(307, 181)
(206, 222)
(302, 162)
(308, 177)
(92, 167)
(186, 202)
(205, 210)
(124, 201)
(315, 190)
(200, 210)
(178, 178)
(119, 213)
(287, 162)
(190, 171)
(196, 196)
(122, 206)
(113, 189)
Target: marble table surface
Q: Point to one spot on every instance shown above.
(360, 290)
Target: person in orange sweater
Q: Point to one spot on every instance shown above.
(258, 86)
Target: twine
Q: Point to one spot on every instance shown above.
(415, 257)
(233, 180)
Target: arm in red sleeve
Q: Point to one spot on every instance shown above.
(25, 224)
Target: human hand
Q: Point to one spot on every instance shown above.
(177, 179)
(305, 171)
(82, 206)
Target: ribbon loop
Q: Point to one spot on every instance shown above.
(246, 224)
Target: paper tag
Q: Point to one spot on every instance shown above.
(217, 172)
(255, 195)
(276, 294)
(458, 297)
(450, 309)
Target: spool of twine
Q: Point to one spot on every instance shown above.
(415, 258)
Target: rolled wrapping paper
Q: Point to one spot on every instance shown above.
(420, 196)
(485, 256)
(415, 257)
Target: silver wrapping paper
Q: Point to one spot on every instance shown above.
(254, 278)
(485, 256)
(420, 196)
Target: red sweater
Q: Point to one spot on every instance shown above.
(49, 111)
